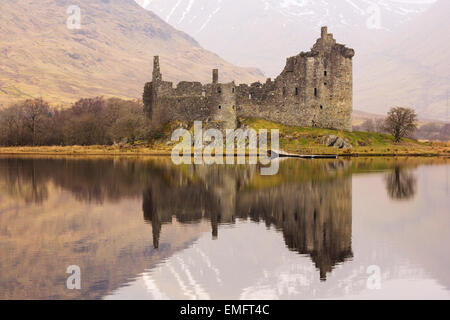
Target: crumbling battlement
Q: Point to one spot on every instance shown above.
(315, 89)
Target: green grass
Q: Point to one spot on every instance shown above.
(307, 141)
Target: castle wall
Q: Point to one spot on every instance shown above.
(185, 88)
(315, 89)
(184, 108)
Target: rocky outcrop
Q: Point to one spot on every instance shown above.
(336, 142)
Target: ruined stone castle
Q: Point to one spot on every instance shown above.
(315, 89)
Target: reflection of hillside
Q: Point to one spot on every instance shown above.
(90, 212)
(91, 216)
(308, 201)
(109, 242)
(249, 260)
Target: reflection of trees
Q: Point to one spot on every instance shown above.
(23, 180)
(90, 180)
(401, 184)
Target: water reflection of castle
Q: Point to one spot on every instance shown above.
(314, 215)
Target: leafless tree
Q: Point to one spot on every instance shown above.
(11, 126)
(34, 112)
(401, 122)
(93, 121)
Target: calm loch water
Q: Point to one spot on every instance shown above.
(142, 228)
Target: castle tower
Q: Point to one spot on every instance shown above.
(150, 96)
(329, 76)
(215, 76)
(157, 76)
(324, 32)
(315, 88)
(154, 88)
(223, 102)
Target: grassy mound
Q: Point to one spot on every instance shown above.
(301, 140)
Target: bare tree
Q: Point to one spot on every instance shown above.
(34, 112)
(87, 122)
(129, 121)
(11, 130)
(401, 122)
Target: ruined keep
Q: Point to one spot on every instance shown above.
(315, 89)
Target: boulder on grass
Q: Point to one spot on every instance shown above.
(336, 142)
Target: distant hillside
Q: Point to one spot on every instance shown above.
(411, 68)
(432, 130)
(111, 55)
(263, 33)
(360, 116)
(401, 59)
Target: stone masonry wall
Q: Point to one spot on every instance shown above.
(315, 89)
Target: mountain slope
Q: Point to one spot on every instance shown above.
(262, 33)
(110, 55)
(409, 68)
(402, 47)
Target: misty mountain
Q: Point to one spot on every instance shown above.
(110, 55)
(263, 33)
(401, 46)
(409, 68)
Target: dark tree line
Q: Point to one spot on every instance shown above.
(94, 121)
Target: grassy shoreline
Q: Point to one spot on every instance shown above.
(147, 151)
(84, 150)
(294, 140)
